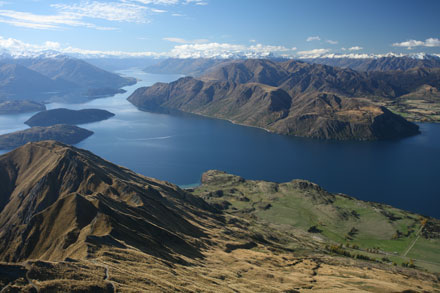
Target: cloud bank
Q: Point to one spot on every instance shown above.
(10, 47)
(17, 48)
(430, 42)
(81, 14)
(315, 53)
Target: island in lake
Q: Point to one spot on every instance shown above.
(67, 116)
(63, 133)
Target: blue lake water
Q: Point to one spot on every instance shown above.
(404, 173)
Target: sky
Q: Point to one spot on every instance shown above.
(220, 28)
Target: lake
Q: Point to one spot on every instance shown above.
(404, 173)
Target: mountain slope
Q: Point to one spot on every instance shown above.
(58, 202)
(58, 78)
(21, 83)
(380, 64)
(189, 66)
(291, 97)
(75, 71)
(71, 221)
(299, 206)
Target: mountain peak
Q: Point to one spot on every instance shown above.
(58, 201)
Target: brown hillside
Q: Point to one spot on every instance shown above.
(71, 221)
(58, 202)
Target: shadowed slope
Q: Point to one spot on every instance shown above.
(58, 201)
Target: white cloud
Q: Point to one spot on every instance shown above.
(28, 24)
(175, 40)
(331, 42)
(196, 2)
(18, 48)
(315, 53)
(85, 53)
(111, 11)
(158, 10)
(224, 50)
(167, 2)
(183, 41)
(155, 2)
(419, 55)
(133, 11)
(314, 38)
(350, 56)
(39, 21)
(355, 48)
(430, 42)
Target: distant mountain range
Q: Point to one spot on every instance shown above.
(360, 62)
(293, 97)
(58, 78)
(190, 66)
(380, 64)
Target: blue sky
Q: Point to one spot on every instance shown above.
(192, 28)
